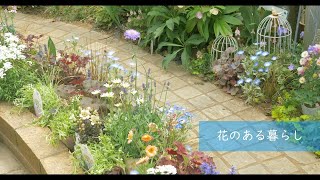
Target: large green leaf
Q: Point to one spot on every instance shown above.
(176, 20)
(159, 31)
(51, 48)
(195, 39)
(190, 25)
(185, 57)
(170, 24)
(225, 28)
(231, 20)
(206, 31)
(162, 44)
(216, 28)
(230, 9)
(200, 29)
(169, 58)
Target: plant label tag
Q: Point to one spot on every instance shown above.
(37, 103)
(87, 156)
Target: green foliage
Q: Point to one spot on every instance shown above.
(109, 16)
(105, 155)
(21, 74)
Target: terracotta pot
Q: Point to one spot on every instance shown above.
(309, 111)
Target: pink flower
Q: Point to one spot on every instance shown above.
(300, 70)
(318, 62)
(303, 61)
(199, 15)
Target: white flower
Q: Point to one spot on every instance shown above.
(29, 62)
(302, 80)
(164, 169)
(140, 101)
(72, 117)
(180, 6)
(214, 11)
(107, 85)
(97, 91)
(94, 119)
(125, 84)
(118, 105)
(107, 94)
(133, 92)
(304, 54)
(2, 73)
(76, 38)
(85, 114)
(7, 65)
(116, 81)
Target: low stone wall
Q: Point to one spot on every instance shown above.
(28, 143)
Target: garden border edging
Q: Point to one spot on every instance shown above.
(29, 143)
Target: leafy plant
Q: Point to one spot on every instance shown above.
(227, 69)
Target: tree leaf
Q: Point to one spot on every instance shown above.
(231, 20)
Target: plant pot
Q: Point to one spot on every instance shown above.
(309, 111)
(69, 143)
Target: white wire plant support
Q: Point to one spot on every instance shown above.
(274, 34)
(220, 44)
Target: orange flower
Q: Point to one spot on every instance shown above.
(146, 138)
(130, 136)
(152, 127)
(151, 150)
(142, 160)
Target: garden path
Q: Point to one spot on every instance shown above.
(205, 100)
(9, 163)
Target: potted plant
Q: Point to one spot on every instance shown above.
(309, 72)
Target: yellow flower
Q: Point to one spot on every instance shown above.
(151, 150)
(152, 127)
(302, 80)
(130, 136)
(214, 11)
(142, 160)
(146, 138)
(315, 75)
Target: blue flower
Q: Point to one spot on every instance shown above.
(274, 58)
(182, 119)
(207, 168)
(256, 64)
(258, 53)
(178, 126)
(256, 43)
(254, 58)
(266, 70)
(282, 30)
(257, 82)
(240, 81)
(267, 64)
(117, 66)
(131, 34)
(248, 80)
(260, 70)
(301, 34)
(233, 170)
(240, 52)
(188, 114)
(134, 172)
(291, 67)
(115, 58)
(265, 53)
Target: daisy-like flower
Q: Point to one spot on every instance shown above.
(130, 136)
(134, 172)
(146, 138)
(142, 160)
(257, 82)
(151, 150)
(302, 80)
(180, 7)
(258, 53)
(260, 70)
(125, 84)
(107, 85)
(95, 92)
(94, 119)
(107, 94)
(85, 114)
(116, 81)
(131, 34)
(139, 101)
(152, 127)
(304, 54)
(318, 62)
(133, 92)
(214, 11)
(7, 66)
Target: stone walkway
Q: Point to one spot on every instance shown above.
(8, 162)
(204, 100)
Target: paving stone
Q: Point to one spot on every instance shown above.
(176, 83)
(64, 160)
(162, 76)
(8, 162)
(219, 96)
(44, 30)
(187, 92)
(216, 112)
(171, 97)
(144, 68)
(221, 166)
(280, 166)
(254, 169)
(236, 105)
(205, 87)
(177, 70)
(251, 114)
(57, 33)
(303, 157)
(312, 168)
(189, 107)
(197, 117)
(261, 156)
(201, 102)
(239, 159)
(231, 118)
